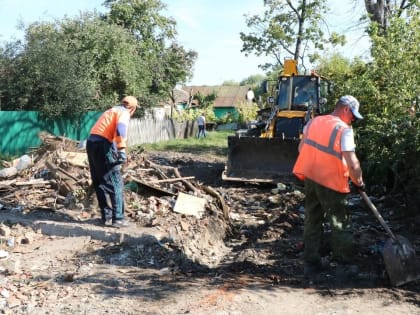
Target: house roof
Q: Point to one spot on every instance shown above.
(180, 96)
(226, 95)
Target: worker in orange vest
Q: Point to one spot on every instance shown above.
(326, 161)
(106, 150)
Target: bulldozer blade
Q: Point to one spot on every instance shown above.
(260, 159)
(400, 260)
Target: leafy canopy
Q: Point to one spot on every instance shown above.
(89, 62)
(288, 29)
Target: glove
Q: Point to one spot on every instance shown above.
(360, 188)
(122, 157)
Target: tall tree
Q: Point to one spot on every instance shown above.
(87, 63)
(168, 63)
(288, 29)
(66, 67)
(380, 11)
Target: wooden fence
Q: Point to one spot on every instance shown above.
(151, 130)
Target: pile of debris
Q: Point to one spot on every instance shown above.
(56, 179)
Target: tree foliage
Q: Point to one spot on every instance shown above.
(205, 101)
(391, 128)
(288, 29)
(387, 87)
(167, 64)
(255, 80)
(230, 83)
(89, 62)
(247, 112)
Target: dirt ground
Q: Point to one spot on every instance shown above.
(253, 265)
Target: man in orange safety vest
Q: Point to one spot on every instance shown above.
(326, 161)
(106, 150)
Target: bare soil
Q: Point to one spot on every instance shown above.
(251, 265)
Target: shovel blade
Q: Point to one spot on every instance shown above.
(401, 262)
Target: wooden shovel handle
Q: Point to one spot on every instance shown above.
(377, 214)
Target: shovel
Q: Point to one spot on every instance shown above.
(399, 256)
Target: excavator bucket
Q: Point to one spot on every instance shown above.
(253, 159)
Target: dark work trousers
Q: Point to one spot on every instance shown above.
(106, 178)
(201, 131)
(322, 204)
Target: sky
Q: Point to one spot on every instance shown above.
(209, 27)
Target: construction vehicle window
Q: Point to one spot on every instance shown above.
(304, 91)
(284, 93)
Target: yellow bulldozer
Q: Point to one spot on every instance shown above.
(267, 150)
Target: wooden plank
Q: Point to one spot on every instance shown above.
(168, 180)
(33, 182)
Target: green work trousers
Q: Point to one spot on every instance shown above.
(325, 204)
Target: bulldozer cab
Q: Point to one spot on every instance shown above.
(300, 92)
(298, 98)
(269, 156)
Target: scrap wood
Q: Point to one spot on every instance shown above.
(215, 194)
(7, 183)
(34, 182)
(157, 168)
(56, 142)
(10, 191)
(55, 168)
(169, 180)
(64, 188)
(155, 188)
(78, 159)
(175, 171)
(6, 164)
(187, 183)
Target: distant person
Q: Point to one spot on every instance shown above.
(326, 161)
(250, 96)
(106, 150)
(201, 121)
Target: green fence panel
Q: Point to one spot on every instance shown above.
(19, 129)
(221, 112)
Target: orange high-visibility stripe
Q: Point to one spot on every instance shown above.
(320, 158)
(113, 126)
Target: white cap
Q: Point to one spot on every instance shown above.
(353, 103)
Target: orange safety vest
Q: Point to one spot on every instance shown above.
(320, 158)
(113, 125)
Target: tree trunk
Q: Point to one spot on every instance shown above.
(378, 11)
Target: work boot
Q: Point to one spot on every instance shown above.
(120, 223)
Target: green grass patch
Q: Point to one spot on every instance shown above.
(214, 144)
